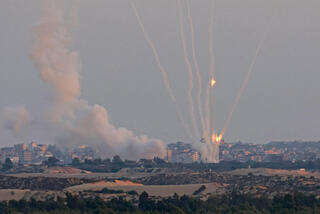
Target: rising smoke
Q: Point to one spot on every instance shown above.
(81, 122)
(16, 120)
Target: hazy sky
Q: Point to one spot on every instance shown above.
(281, 101)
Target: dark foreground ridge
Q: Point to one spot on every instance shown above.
(232, 203)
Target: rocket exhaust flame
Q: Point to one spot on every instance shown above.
(209, 94)
(189, 66)
(211, 146)
(215, 138)
(213, 82)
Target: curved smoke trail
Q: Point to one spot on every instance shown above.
(244, 84)
(162, 70)
(196, 65)
(189, 66)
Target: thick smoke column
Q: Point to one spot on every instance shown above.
(81, 122)
(57, 65)
(16, 120)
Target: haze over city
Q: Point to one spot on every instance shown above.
(159, 106)
(117, 69)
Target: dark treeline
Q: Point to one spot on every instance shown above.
(116, 164)
(233, 203)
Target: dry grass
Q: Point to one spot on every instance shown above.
(12, 194)
(153, 190)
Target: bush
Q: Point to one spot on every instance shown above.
(110, 191)
(132, 192)
(198, 191)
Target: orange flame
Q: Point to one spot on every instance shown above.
(216, 138)
(213, 82)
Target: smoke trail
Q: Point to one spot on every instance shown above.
(244, 84)
(16, 120)
(209, 113)
(80, 122)
(196, 65)
(189, 66)
(162, 70)
(209, 93)
(247, 78)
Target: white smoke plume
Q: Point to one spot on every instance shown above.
(81, 122)
(57, 65)
(16, 120)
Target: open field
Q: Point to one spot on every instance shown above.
(153, 190)
(70, 173)
(259, 181)
(12, 194)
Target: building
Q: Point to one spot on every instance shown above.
(32, 145)
(182, 153)
(20, 147)
(196, 157)
(42, 148)
(25, 157)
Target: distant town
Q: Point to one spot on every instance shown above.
(34, 153)
(245, 152)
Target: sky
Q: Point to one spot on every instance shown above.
(119, 72)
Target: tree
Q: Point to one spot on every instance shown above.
(106, 161)
(132, 192)
(53, 161)
(97, 161)
(159, 161)
(117, 164)
(117, 160)
(198, 191)
(145, 203)
(7, 165)
(75, 162)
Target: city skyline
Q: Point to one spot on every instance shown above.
(279, 103)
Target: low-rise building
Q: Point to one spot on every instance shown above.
(25, 157)
(182, 153)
